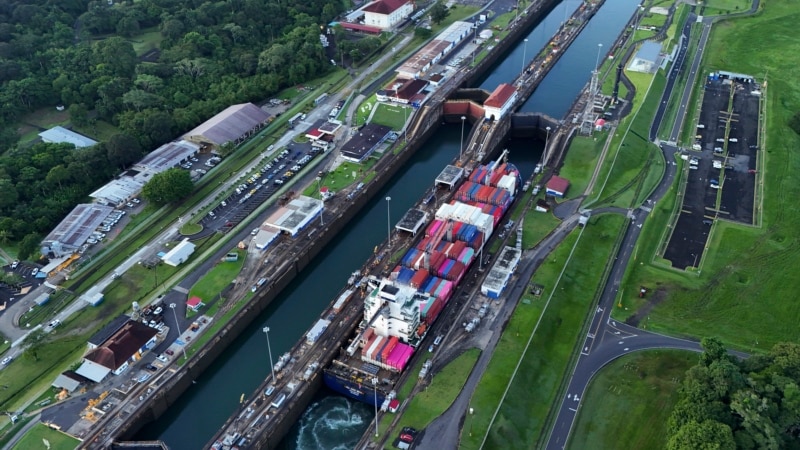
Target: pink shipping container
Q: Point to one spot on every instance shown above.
(433, 228)
(399, 357)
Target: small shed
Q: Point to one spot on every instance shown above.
(195, 303)
(557, 186)
(599, 124)
(179, 254)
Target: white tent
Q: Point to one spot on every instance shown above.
(93, 371)
(179, 254)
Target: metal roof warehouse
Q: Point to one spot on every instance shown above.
(295, 215)
(234, 124)
(68, 236)
(360, 146)
(168, 156)
(59, 135)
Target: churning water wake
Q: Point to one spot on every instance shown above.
(331, 422)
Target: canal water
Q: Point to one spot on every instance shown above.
(331, 421)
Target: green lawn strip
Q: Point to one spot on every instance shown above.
(392, 116)
(440, 394)
(629, 163)
(218, 278)
(364, 110)
(581, 160)
(537, 226)
(47, 397)
(720, 7)
(27, 378)
(741, 294)
(9, 430)
(630, 401)
(522, 418)
(191, 228)
(35, 437)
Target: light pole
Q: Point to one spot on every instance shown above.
(597, 61)
(546, 141)
(177, 327)
(524, 51)
(388, 219)
(471, 413)
(461, 150)
(405, 123)
(269, 348)
(375, 398)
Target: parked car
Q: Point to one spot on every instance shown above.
(151, 368)
(34, 272)
(169, 352)
(14, 264)
(7, 360)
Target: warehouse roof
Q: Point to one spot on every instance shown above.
(123, 344)
(168, 156)
(79, 224)
(295, 215)
(365, 142)
(230, 125)
(60, 135)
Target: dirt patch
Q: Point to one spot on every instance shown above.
(653, 300)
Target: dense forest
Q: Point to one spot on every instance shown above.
(79, 54)
(727, 403)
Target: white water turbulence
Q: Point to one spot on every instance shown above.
(331, 423)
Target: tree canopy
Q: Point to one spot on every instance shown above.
(169, 186)
(439, 12)
(726, 403)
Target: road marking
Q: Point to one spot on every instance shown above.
(573, 409)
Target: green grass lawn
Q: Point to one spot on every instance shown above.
(218, 278)
(537, 226)
(581, 161)
(364, 110)
(391, 115)
(720, 7)
(146, 41)
(34, 439)
(444, 388)
(630, 401)
(743, 294)
(523, 416)
(191, 228)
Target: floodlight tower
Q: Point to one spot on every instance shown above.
(587, 123)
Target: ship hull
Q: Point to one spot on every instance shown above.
(360, 392)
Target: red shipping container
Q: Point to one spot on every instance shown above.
(388, 349)
(457, 271)
(419, 277)
(434, 311)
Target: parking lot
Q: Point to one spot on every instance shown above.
(722, 168)
(249, 193)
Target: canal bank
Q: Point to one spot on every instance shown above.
(227, 377)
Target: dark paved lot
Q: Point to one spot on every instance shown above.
(735, 178)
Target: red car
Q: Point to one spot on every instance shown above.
(169, 352)
(407, 438)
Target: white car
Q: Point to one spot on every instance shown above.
(254, 232)
(7, 360)
(158, 311)
(162, 358)
(34, 271)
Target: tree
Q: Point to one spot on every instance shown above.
(226, 149)
(78, 114)
(168, 187)
(709, 435)
(423, 33)
(122, 149)
(8, 194)
(439, 12)
(29, 246)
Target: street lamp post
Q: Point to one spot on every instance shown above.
(546, 142)
(524, 51)
(388, 219)
(269, 348)
(177, 327)
(461, 150)
(597, 61)
(471, 413)
(375, 398)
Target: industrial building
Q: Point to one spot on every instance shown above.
(647, 58)
(266, 234)
(131, 182)
(497, 279)
(61, 135)
(293, 217)
(368, 139)
(69, 235)
(234, 124)
(179, 254)
(116, 353)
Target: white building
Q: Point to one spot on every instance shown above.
(179, 254)
(385, 14)
(59, 135)
(295, 215)
(500, 102)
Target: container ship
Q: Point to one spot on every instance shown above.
(399, 307)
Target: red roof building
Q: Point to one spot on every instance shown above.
(360, 28)
(385, 14)
(500, 101)
(194, 303)
(557, 186)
